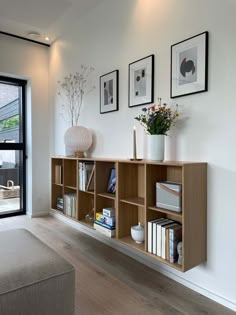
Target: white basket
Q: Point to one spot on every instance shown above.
(9, 191)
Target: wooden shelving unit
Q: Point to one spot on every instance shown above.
(135, 199)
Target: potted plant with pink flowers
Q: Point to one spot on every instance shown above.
(157, 120)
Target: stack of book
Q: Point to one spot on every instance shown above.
(60, 203)
(163, 237)
(70, 204)
(58, 174)
(86, 176)
(105, 222)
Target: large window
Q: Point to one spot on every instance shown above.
(12, 147)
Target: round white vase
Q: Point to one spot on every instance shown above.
(155, 147)
(77, 140)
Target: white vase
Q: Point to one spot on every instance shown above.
(77, 140)
(155, 147)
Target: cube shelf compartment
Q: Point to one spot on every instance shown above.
(135, 199)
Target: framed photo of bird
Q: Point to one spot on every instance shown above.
(189, 66)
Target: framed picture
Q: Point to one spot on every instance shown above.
(111, 187)
(189, 66)
(109, 92)
(141, 81)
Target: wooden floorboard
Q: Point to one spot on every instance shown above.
(111, 283)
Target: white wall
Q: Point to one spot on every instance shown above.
(119, 32)
(30, 61)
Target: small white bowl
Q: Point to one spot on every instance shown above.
(137, 233)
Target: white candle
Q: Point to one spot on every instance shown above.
(134, 144)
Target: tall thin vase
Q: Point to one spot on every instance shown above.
(155, 147)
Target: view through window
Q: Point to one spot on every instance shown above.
(12, 147)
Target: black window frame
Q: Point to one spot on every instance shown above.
(21, 146)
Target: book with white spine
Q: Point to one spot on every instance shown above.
(158, 235)
(150, 233)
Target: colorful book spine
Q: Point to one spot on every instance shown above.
(105, 225)
(104, 219)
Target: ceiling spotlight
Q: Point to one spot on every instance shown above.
(46, 38)
(34, 34)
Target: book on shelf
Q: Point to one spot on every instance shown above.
(109, 212)
(163, 237)
(150, 230)
(159, 235)
(175, 236)
(58, 174)
(105, 225)
(86, 176)
(105, 219)
(70, 201)
(150, 233)
(111, 187)
(60, 203)
(103, 230)
(164, 241)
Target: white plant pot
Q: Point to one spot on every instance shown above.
(77, 140)
(155, 147)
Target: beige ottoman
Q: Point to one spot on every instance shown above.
(34, 280)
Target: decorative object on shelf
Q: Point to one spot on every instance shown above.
(73, 88)
(141, 81)
(78, 140)
(189, 63)
(137, 233)
(169, 196)
(90, 216)
(180, 252)
(157, 120)
(109, 92)
(111, 188)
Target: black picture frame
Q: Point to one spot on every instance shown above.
(111, 187)
(109, 92)
(146, 86)
(189, 66)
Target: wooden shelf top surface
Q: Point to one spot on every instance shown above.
(56, 184)
(107, 195)
(70, 187)
(87, 192)
(129, 241)
(120, 160)
(86, 223)
(178, 215)
(137, 201)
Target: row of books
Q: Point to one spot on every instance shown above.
(58, 174)
(105, 222)
(86, 176)
(163, 237)
(70, 204)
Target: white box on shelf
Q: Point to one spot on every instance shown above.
(169, 196)
(109, 212)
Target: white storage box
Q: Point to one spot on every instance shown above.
(169, 196)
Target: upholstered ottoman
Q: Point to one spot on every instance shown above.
(34, 280)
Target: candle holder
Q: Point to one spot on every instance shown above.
(134, 147)
(136, 159)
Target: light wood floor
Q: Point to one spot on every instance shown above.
(110, 283)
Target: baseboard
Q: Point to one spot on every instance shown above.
(37, 215)
(165, 270)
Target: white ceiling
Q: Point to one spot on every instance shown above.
(20, 17)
